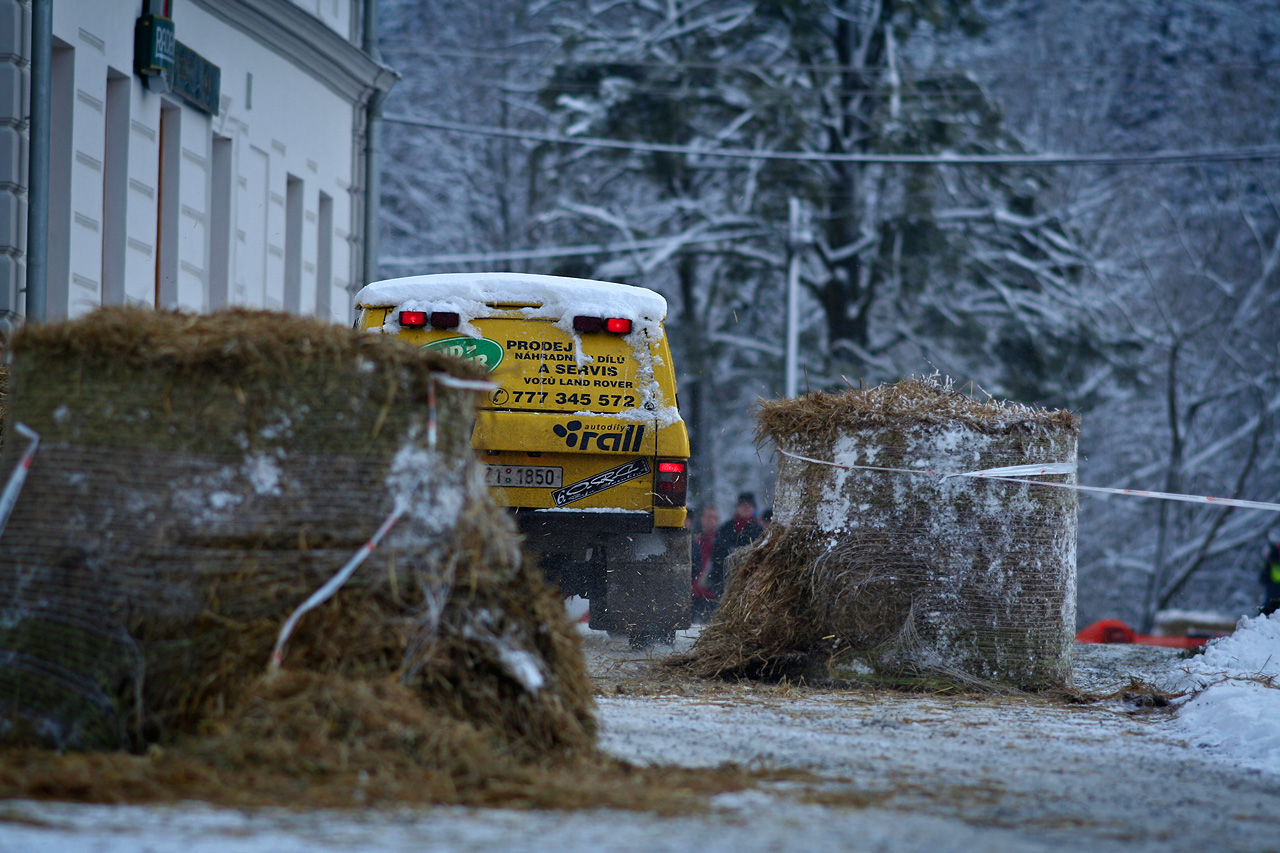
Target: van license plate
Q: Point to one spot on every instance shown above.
(526, 476)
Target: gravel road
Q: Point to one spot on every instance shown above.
(1003, 773)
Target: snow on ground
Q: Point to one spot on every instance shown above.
(1234, 712)
(889, 771)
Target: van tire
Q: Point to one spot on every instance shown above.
(647, 591)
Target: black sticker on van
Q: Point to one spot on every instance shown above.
(598, 483)
(612, 438)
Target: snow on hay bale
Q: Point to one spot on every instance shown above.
(199, 477)
(917, 576)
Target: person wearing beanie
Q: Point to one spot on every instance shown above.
(742, 529)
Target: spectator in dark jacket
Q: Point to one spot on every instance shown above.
(1271, 580)
(742, 529)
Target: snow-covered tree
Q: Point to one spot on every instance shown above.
(1187, 257)
(909, 266)
(445, 194)
(1202, 417)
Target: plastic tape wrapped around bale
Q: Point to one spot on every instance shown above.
(917, 575)
(198, 478)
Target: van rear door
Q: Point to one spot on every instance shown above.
(566, 428)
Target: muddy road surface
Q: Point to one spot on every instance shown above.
(843, 769)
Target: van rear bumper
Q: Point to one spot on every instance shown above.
(536, 523)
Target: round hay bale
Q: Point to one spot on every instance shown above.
(917, 575)
(200, 476)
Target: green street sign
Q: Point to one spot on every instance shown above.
(153, 45)
(484, 352)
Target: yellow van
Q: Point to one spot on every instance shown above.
(582, 439)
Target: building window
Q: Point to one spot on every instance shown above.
(169, 207)
(61, 143)
(220, 222)
(115, 187)
(324, 259)
(293, 197)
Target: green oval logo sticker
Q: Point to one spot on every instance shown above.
(484, 352)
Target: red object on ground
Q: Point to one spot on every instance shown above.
(1115, 631)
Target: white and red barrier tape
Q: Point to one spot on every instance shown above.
(19, 476)
(1019, 473)
(324, 593)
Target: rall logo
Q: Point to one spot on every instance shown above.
(624, 441)
(484, 352)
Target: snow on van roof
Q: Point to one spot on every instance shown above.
(555, 294)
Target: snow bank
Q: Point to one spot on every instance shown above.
(1234, 708)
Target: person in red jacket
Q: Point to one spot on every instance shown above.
(704, 543)
(742, 529)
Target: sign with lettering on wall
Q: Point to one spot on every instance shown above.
(196, 79)
(153, 49)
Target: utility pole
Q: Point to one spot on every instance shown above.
(373, 151)
(797, 236)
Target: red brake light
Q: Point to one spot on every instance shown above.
(671, 484)
(587, 324)
(617, 325)
(413, 319)
(445, 319)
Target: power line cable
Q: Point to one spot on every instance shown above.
(500, 55)
(615, 248)
(911, 91)
(1046, 159)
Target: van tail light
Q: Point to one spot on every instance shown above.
(616, 325)
(439, 319)
(671, 485)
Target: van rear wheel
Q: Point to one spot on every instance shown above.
(647, 592)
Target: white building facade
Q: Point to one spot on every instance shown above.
(236, 178)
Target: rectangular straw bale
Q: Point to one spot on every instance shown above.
(197, 477)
